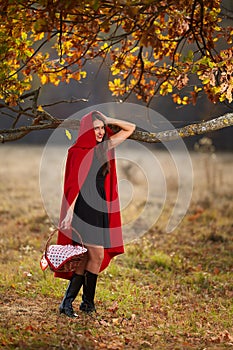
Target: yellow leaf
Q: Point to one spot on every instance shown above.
(134, 49)
(39, 36)
(185, 100)
(83, 74)
(68, 134)
(133, 82)
(67, 45)
(176, 98)
(54, 79)
(196, 89)
(40, 109)
(222, 97)
(24, 35)
(43, 79)
(105, 47)
(117, 82)
(217, 28)
(169, 87)
(205, 81)
(62, 61)
(115, 71)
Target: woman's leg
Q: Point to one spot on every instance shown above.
(73, 289)
(95, 258)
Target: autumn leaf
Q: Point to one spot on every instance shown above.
(40, 108)
(114, 307)
(117, 87)
(68, 134)
(44, 79)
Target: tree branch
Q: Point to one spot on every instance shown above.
(7, 135)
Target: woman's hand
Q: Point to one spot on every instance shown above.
(127, 129)
(105, 118)
(66, 222)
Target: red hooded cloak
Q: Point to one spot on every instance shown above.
(78, 163)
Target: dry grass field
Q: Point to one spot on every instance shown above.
(168, 291)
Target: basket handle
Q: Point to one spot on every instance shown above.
(57, 229)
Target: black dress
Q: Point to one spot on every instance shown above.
(90, 217)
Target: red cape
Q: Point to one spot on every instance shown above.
(78, 164)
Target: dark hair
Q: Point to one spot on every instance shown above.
(102, 147)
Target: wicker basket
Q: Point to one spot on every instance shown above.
(62, 258)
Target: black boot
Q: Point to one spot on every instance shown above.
(87, 305)
(73, 288)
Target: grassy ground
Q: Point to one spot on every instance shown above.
(169, 291)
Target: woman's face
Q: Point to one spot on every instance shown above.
(99, 129)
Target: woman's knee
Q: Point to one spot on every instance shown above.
(98, 258)
(96, 254)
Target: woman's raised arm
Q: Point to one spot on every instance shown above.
(127, 129)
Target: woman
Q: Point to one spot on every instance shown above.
(90, 205)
